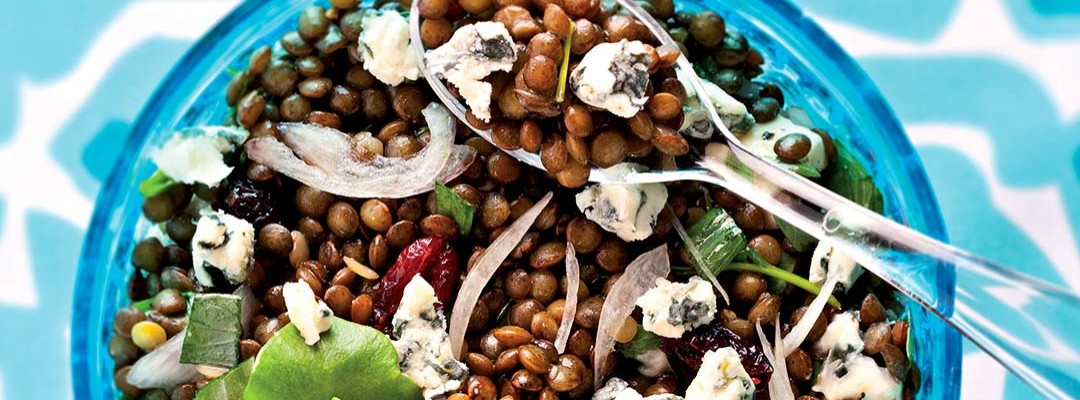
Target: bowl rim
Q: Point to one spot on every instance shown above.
(97, 243)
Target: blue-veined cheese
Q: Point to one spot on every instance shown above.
(827, 260)
(732, 112)
(474, 52)
(618, 389)
(721, 377)
(614, 77)
(763, 137)
(423, 346)
(627, 210)
(384, 47)
(846, 372)
(671, 309)
(197, 155)
(653, 363)
(222, 248)
(309, 315)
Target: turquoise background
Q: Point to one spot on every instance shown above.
(57, 149)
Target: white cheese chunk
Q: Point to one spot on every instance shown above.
(384, 47)
(732, 112)
(827, 260)
(474, 52)
(309, 315)
(614, 77)
(618, 389)
(671, 309)
(653, 363)
(628, 211)
(197, 155)
(721, 377)
(762, 137)
(222, 247)
(422, 343)
(847, 373)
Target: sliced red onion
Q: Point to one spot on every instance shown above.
(484, 269)
(161, 368)
(573, 279)
(639, 277)
(248, 307)
(323, 158)
(798, 333)
(779, 386)
(696, 255)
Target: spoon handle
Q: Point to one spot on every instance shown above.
(1022, 322)
(1019, 320)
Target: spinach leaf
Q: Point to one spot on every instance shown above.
(155, 184)
(350, 361)
(643, 342)
(717, 238)
(800, 240)
(449, 203)
(213, 331)
(850, 179)
(229, 386)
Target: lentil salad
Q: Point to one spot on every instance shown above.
(297, 235)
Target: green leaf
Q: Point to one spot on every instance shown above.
(803, 169)
(229, 386)
(449, 203)
(564, 69)
(850, 179)
(350, 361)
(717, 238)
(800, 240)
(213, 331)
(643, 342)
(155, 184)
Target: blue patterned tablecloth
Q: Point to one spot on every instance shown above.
(989, 91)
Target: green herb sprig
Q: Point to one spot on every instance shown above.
(155, 184)
(560, 92)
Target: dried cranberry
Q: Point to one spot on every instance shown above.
(689, 350)
(252, 202)
(431, 257)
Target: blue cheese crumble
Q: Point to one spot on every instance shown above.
(721, 377)
(197, 155)
(846, 372)
(618, 389)
(626, 210)
(384, 47)
(671, 309)
(474, 52)
(222, 249)
(827, 260)
(309, 315)
(697, 124)
(422, 344)
(762, 138)
(614, 77)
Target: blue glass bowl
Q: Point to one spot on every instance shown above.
(811, 68)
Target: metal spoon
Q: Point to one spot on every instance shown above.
(993, 302)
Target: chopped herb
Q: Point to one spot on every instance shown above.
(783, 275)
(155, 184)
(850, 179)
(643, 342)
(213, 331)
(560, 91)
(717, 238)
(229, 386)
(800, 240)
(360, 355)
(449, 203)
